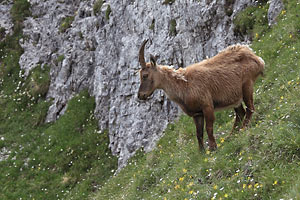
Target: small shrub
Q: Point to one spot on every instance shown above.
(173, 30)
(107, 13)
(97, 7)
(252, 22)
(229, 7)
(168, 2)
(60, 58)
(20, 10)
(38, 81)
(66, 23)
(2, 33)
(151, 27)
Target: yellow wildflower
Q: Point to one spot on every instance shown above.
(191, 192)
(165, 198)
(181, 178)
(222, 140)
(215, 187)
(225, 195)
(177, 187)
(190, 184)
(275, 183)
(250, 186)
(207, 152)
(184, 170)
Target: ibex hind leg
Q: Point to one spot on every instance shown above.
(209, 117)
(239, 117)
(248, 99)
(199, 122)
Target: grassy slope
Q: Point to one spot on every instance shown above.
(262, 162)
(65, 159)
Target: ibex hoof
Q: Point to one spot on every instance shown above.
(213, 147)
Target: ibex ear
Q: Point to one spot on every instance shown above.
(152, 61)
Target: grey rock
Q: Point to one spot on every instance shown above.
(5, 18)
(4, 154)
(274, 10)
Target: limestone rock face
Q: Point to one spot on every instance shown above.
(98, 49)
(5, 18)
(274, 10)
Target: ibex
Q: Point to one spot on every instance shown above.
(220, 82)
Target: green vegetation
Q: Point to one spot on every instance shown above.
(38, 81)
(107, 12)
(97, 7)
(66, 23)
(60, 58)
(168, 2)
(19, 12)
(252, 21)
(229, 7)
(67, 159)
(262, 162)
(2, 32)
(173, 30)
(152, 26)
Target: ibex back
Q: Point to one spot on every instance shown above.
(225, 80)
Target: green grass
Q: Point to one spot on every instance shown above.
(252, 21)
(262, 162)
(68, 159)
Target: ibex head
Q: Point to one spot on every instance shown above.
(148, 75)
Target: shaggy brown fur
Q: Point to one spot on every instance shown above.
(222, 81)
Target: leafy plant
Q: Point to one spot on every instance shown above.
(107, 12)
(97, 7)
(173, 30)
(168, 2)
(66, 23)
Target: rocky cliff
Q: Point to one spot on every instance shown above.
(94, 44)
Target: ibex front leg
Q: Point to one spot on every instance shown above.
(248, 99)
(199, 122)
(209, 117)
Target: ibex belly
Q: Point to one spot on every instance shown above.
(222, 106)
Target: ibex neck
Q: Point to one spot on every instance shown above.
(173, 82)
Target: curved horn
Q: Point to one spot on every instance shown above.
(141, 54)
